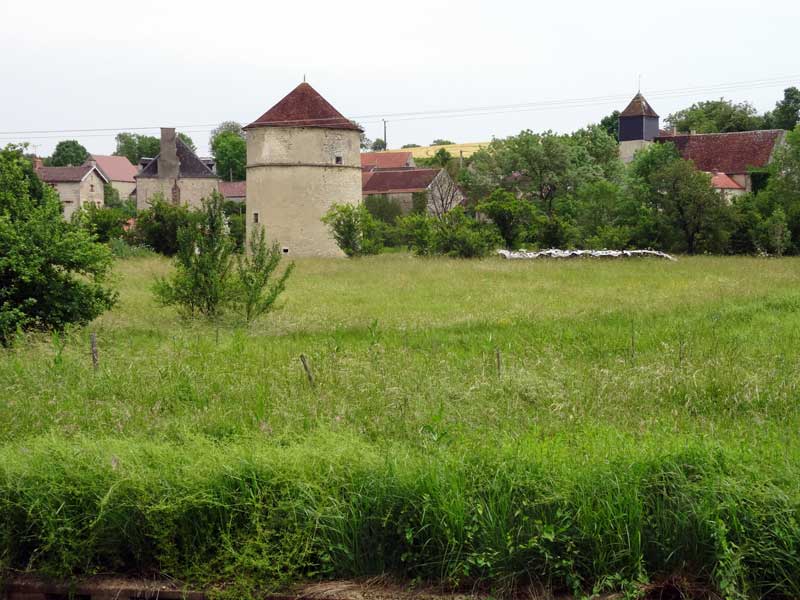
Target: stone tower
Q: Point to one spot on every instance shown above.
(638, 126)
(302, 157)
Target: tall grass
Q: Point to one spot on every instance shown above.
(642, 425)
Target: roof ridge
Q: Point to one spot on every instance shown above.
(723, 133)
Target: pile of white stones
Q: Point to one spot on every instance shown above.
(557, 253)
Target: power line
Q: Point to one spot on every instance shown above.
(436, 113)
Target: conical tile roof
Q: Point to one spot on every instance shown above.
(638, 107)
(304, 107)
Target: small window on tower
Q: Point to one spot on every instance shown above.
(285, 250)
(338, 160)
(255, 217)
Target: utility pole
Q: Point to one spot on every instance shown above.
(385, 141)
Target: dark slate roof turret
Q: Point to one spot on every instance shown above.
(638, 107)
(304, 107)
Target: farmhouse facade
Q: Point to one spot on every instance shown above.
(76, 186)
(303, 156)
(177, 174)
(730, 158)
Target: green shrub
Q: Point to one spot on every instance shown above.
(105, 224)
(455, 234)
(419, 202)
(353, 229)
(157, 227)
(458, 235)
(511, 215)
(51, 272)
(417, 229)
(257, 288)
(202, 282)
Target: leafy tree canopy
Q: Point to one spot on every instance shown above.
(786, 114)
(226, 127)
(611, 124)
(410, 146)
(230, 151)
(135, 147)
(378, 145)
(68, 153)
(716, 116)
(441, 142)
(51, 272)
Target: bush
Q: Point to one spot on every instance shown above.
(257, 289)
(383, 209)
(456, 234)
(52, 272)
(417, 228)
(236, 211)
(460, 236)
(105, 224)
(511, 215)
(353, 229)
(157, 227)
(201, 283)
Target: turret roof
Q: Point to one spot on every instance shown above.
(638, 107)
(304, 107)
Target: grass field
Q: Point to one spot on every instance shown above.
(584, 426)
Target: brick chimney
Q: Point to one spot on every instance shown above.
(168, 159)
(37, 163)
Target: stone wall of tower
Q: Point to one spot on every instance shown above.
(294, 175)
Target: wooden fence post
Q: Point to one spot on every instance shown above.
(95, 354)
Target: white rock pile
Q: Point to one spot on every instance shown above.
(557, 253)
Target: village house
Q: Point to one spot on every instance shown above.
(119, 172)
(730, 158)
(76, 186)
(177, 173)
(440, 192)
(302, 157)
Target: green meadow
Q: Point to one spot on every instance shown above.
(582, 427)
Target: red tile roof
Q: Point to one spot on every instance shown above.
(115, 168)
(727, 152)
(638, 107)
(233, 189)
(304, 107)
(65, 174)
(386, 160)
(399, 181)
(721, 181)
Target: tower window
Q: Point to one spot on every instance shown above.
(255, 217)
(338, 160)
(285, 250)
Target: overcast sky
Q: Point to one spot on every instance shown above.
(92, 64)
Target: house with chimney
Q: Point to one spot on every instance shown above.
(732, 159)
(76, 186)
(119, 172)
(177, 174)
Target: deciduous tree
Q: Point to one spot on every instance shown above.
(68, 153)
(52, 273)
(230, 152)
